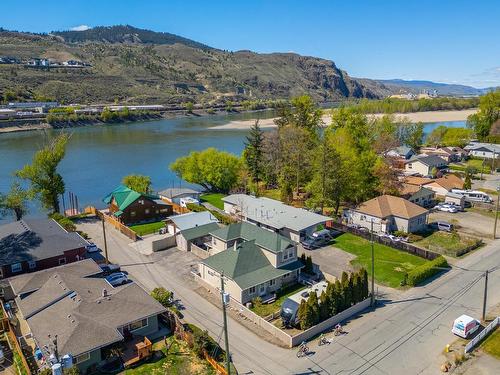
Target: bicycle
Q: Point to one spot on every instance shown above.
(338, 330)
(303, 350)
(323, 340)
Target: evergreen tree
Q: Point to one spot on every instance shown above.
(344, 284)
(338, 302)
(330, 292)
(307, 315)
(309, 265)
(302, 313)
(364, 276)
(467, 182)
(253, 153)
(313, 305)
(324, 305)
(356, 288)
(350, 290)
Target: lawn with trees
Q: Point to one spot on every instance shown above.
(215, 199)
(391, 265)
(488, 114)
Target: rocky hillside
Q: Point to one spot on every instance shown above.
(141, 66)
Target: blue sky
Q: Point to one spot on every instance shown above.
(450, 41)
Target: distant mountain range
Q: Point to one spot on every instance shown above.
(416, 87)
(134, 65)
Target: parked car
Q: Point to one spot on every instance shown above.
(446, 207)
(464, 326)
(108, 269)
(92, 248)
(311, 243)
(324, 233)
(118, 278)
(444, 226)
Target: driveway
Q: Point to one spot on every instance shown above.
(471, 223)
(331, 261)
(489, 181)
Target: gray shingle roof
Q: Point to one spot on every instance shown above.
(193, 219)
(35, 239)
(175, 192)
(68, 303)
(275, 213)
(271, 241)
(247, 265)
(429, 160)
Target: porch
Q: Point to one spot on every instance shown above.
(135, 350)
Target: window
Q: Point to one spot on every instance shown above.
(62, 261)
(132, 213)
(363, 217)
(251, 290)
(272, 282)
(285, 255)
(409, 166)
(164, 210)
(32, 264)
(157, 211)
(81, 358)
(16, 267)
(214, 241)
(138, 324)
(146, 211)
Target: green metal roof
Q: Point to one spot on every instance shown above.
(247, 265)
(199, 231)
(118, 213)
(271, 241)
(124, 197)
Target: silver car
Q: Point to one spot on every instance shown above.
(118, 278)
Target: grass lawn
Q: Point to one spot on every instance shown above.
(268, 309)
(476, 163)
(215, 199)
(492, 344)
(143, 229)
(272, 193)
(444, 243)
(179, 361)
(390, 264)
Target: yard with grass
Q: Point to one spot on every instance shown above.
(390, 264)
(452, 244)
(180, 360)
(476, 163)
(269, 308)
(215, 199)
(149, 228)
(492, 344)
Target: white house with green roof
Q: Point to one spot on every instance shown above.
(254, 261)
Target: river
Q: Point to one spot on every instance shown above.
(99, 156)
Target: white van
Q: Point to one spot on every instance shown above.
(464, 326)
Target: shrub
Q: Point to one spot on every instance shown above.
(224, 219)
(426, 270)
(201, 342)
(165, 297)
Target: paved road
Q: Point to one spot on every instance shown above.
(401, 336)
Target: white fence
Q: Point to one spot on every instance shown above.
(485, 332)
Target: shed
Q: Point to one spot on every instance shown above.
(456, 199)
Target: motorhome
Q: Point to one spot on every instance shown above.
(290, 307)
(473, 195)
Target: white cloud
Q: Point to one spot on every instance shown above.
(80, 28)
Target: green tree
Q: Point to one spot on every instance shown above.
(413, 135)
(305, 315)
(253, 152)
(137, 182)
(467, 182)
(337, 301)
(301, 112)
(387, 178)
(324, 306)
(215, 170)
(313, 305)
(162, 295)
(434, 172)
(15, 201)
(201, 342)
(328, 183)
(364, 277)
(45, 182)
(489, 112)
(189, 107)
(437, 135)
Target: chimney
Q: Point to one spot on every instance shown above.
(235, 245)
(104, 292)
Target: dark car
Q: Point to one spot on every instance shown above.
(108, 269)
(313, 243)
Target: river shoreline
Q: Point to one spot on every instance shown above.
(428, 116)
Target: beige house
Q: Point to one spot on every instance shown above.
(389, 214)
(417, 194)
(424, 164)
(254, 261)
(442, 186)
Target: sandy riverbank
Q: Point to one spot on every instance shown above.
(22, 128)
(429, 116)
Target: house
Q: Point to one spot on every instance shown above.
(291, 222)
(178, 223)
(417, 194)
(30, 245)
(416, 180)
(255, 268)
(403, 152)
(424, 164)
(130, 207)
(483, 150)
(175, 194)
(389, 214)
(441, 186)
(83, 312)
(450, 154)
(199, 236)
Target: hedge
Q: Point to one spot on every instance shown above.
(426, 270)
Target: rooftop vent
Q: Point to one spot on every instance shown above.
(104, 292)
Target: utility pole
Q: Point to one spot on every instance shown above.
(485, 293)
(496, 214)
(226, 340)
(373, 266)
(105, 242)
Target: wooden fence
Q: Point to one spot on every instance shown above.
(7, 328)
(399, 245)
(117, 225)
